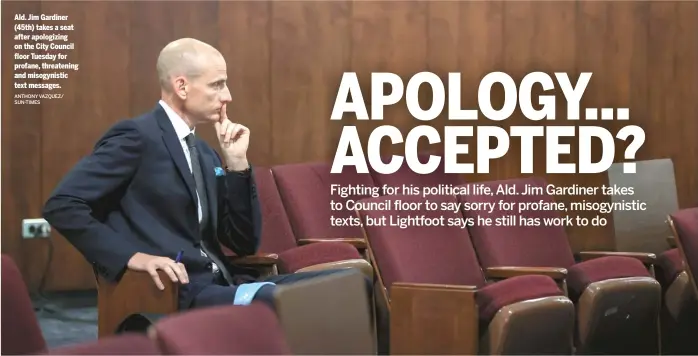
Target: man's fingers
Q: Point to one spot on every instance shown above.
(221, 127)
(170, 272)
(153, 272)
(229, 134)
(224, 113)
(225, 127)
(237, 132)
(181, 272)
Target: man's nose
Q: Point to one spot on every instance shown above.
(226, 97)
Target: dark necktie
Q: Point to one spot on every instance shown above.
(198, 177)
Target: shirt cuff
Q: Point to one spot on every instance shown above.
(243, 174)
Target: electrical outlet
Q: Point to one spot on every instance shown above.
(35, 228)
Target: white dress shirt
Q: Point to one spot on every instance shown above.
(182, 130)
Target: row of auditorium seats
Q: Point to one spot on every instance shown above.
(296, 236)
(481, 289)
(254, 329)
(601, 301)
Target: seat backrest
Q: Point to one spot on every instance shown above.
(525, 240)
(407, 177)
(123, 344)
(644, 230)
(225, 330)
(277, 234)
(21, 333)
(439, 253)
(684, 223)
(306, 192)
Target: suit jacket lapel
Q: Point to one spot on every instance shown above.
(176, 152)
(210, 178)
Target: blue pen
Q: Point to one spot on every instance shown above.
(179, 256)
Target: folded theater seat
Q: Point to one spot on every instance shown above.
(684, 225)
(617, 298)
(673, 277)
(680, 308)
(307, 191)
(405, 176)
(279, 252)
(440, 302)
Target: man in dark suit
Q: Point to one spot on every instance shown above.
(151, 189)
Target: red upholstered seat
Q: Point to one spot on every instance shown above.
(616, 282)
(669, 265)
(21, 333)
(280, 244)
(680, 310)
(443, 255)
(228, 330)
(123, 344)
(493, 297)
(678, 270)
(305, 190)
(582, 274)
(314, 254)
(277, 234)
(685, 224)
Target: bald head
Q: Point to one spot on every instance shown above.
(193, 78)
(185, 57)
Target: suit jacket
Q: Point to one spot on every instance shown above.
(135, 193)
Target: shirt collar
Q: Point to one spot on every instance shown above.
(181, 128)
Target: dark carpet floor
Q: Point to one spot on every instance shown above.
(67, 318)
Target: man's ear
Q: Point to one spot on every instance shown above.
(181, 87)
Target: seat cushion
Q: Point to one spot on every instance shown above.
(223, 330)
(316, 253)
(669, 265)
(582, 274)
(493, 297)
(123, 344)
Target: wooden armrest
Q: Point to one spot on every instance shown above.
(139, 279)
(431, 319)
(671, 241)
(644, 257)
(558, 274)
(429, 286)
(260, 259)
(357, 242)
(134, 293)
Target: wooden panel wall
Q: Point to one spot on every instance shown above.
(285, 61)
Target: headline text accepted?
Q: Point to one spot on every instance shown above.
(350, 99)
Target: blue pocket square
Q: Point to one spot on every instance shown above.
(219, 171)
